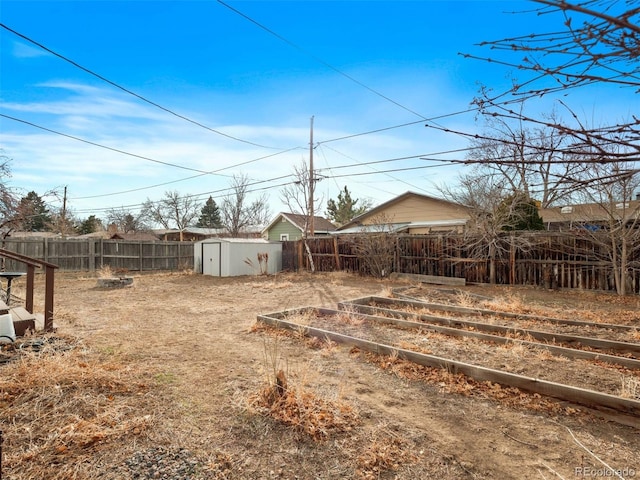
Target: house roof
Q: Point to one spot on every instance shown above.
(101, 234)
(589, 212)
(320, 224)
(134, 236)
(355, 222)
(20, 234)
(403, 226)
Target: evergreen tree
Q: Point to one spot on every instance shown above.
(33, 213)
(521, 213)
(210, 215)
(344, 210)
(90, 225)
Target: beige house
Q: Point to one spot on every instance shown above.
(590, 216)
(412, 213)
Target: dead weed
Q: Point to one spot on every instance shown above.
(68, 405)
(303, 409)
(385, 451)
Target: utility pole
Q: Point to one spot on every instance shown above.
(63, 220)
(311, 182)
(64, 204)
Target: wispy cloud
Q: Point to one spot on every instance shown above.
(23, 50)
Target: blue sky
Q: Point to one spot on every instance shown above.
(356, 67)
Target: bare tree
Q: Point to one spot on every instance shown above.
(126, 221)
(598, 44)
(530, 161)
(494, 208)
(172, 211)
(8, 201)
(612, 221)
(297, 195)
(238, 212)
(376, 246)
(62, 223)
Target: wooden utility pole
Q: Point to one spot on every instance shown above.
(63, 221)
(311, 183)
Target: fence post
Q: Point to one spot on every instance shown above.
(30, 278)
(337, 253)
(141, 256)
(101, 255)
(92, 256)
(512, 261)
(48, 298)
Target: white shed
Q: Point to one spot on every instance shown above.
(231, 257)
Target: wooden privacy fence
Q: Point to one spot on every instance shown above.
(548, 259)
(89, 255)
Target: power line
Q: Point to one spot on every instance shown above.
(220, 194)
(431, 119)
(387, 173)
(106, 147)
(212, 172)
(317, 59)
(384, 171)
(138, 96)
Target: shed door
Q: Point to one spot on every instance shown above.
(211, 253)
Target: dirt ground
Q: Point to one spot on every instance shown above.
(179, 354)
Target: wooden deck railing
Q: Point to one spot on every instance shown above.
(49, 271)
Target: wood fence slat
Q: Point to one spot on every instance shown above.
(551, 259)
(89, 255)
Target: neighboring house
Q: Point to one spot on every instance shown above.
(27, 235)
(589, 216)
(134, 237)
(291, 226)
(190, 234)
(102, 234)
(412, 213)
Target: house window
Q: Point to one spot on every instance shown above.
(284, 237)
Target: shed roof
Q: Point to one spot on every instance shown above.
(235, 240)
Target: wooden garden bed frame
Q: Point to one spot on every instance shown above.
(622, 410)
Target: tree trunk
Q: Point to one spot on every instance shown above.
(492, 264)
(623, 268)
(615, 265)
(311, 265)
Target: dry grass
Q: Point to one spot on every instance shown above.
(302, 317)
(465, 299)
(295, 404)
(69, 405)
(510, 302)
(105, 272)
(350, 316)
(385, 451)
(190, 377)
(630, 387)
